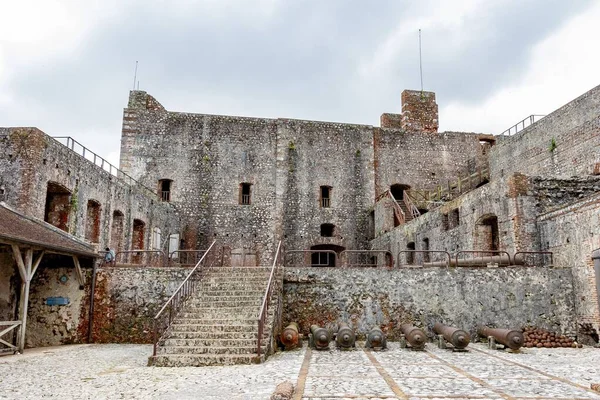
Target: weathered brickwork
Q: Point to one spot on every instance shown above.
(419, 111)
(464, 297)
(562, 144)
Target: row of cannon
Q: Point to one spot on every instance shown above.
(412, 337)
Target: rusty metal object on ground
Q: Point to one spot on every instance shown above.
(595, 386)
(376, 339)
(319, 338)
(414, 336)
(511, 338)
(345, 337)
(289, 336)
(457, 337)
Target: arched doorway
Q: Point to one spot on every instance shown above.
(398, 189)
(486, 233)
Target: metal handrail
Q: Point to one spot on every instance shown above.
(385, 252)
(181, 257)
(520, 260)
(128, 253)
(100, 162)
(264, 308)
(524, 123)
(410, 206)
(426, 252)
(178, 298)
(290, 252)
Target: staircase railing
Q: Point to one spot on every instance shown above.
(264, 309)
(410, 206)
(169, 311)
(398, 212)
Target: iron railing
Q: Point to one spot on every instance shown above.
(519, 126)
(264, 308)
(185, 257)
(164, 318)
(366, 258)
(429, 258)
(324, 258)
(11, 325)
(100, 162)
(534, 258)
(165, 195)
(152, 258)
(398, 212)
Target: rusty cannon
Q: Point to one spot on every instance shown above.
(289, 337)
(457, 337)
(511, 338)
(376, 339)
(413, 336)
(319, 338)
(345, 337)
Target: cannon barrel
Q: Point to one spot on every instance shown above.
(509, 337)
(414, 336)
(376, 338)
(289, 336)
(345, 337)
(476, 261)
(459, 338)
(320, 337)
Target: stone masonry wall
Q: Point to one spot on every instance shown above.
(29, 160)
(465, 297)
(128, 298)
(285, 161)
(575, 130)
(509, 200)
(572, 232)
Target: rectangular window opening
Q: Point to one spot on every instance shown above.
(325, 196)
(245, 194)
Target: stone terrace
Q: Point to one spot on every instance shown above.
(119, 371)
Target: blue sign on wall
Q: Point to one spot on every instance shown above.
(57, 301)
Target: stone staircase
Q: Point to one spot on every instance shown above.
(218, 325)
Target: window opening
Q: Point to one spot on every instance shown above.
(245, 193)
(410, 257)
(92, 221)
(58, 206)
(116, 231)
(164, 189)
(327, 230)
(426, 250)
(325, 196)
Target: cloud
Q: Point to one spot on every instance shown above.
(309, 59)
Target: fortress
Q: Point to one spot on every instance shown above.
(378, 225)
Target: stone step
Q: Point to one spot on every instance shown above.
(216, 343)
(225, 302)
(250, 333)
(206, 350)
(201, 360)
(233, 286)
(230, 293)
(212, 320)
(204, 314)
(208, 327)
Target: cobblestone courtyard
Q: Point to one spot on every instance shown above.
(120, 372)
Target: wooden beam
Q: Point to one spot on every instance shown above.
(19, 259)
(36, 264)
(78, 272)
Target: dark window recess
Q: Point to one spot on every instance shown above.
(245, 193)
(325, 196)
(327, 230)
(445, 224)
(164, 189)
(453, 218)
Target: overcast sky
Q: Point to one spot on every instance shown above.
(66, 66)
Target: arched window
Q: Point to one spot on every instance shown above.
(486, 233)
(138, 236)
(116, 231)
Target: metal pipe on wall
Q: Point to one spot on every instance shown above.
(596, 258)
